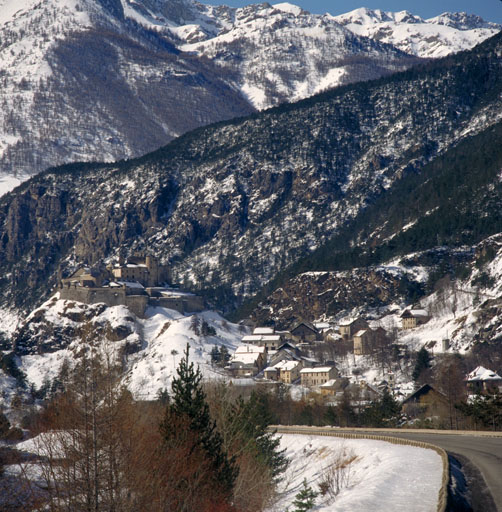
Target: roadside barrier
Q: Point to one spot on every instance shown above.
(330, 432)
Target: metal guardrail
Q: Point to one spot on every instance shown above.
(365, 434)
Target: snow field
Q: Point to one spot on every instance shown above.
(382, 477)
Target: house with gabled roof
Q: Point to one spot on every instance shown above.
(483, 380)
(289, 371)
(248, 361)
(351, 326)
(426, 402)
(412, 318)
(317, 375)
(305, 332)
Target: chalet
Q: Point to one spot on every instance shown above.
(351, 326)
(333, 386)
(363, 341)
(269, 341)
(317, 376)
(482, 380)
(412, 318)
(425, 402)
(247, 361)
(289, 371)
(305, 332)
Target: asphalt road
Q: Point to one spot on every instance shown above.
(485, 453)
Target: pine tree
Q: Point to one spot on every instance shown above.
(423, 362)
(189, 401)
(252, 419)
(224, 355)
(304, 500)
(215, 355)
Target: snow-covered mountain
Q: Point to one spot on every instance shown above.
(83, 80)
(435, 37)
(87, 80)
(281, 53)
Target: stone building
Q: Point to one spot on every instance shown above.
(145, 270)
(305, 332)
(134, 284)
(363, 341)
(317, 376)
(412, 318)
(351, 326)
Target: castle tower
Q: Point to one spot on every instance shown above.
(152, 265)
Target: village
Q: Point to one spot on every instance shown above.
(307, 356)
(295, 357)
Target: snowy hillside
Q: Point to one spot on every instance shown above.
(84, 80)
(375, 476)
(281, 53)
(431, 38)
(149, 349)
(96, 80)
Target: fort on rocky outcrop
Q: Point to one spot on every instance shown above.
(137, 284)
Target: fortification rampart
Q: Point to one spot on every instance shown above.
(136, 302)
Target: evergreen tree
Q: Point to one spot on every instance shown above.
(382, 412)
(215, 355)
(188, 402)
(423, 362)
(224, 355)
(304, 500)
(252, 419)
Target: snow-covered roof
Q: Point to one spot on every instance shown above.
(287, 365)
(320, 369)
(347, 322)
(482, 374)
(264, 330)
(270, 369)
(250, 349)
(322, 325)
(245, 358)
(260, 337)
(361, 332)
(415, 313)
(329, 384)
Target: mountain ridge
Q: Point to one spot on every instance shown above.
(230, 205)
(157, 70)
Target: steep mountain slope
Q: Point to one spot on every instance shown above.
(432, 38)
(103, 80)
(81, 81)
(282, 53)
(435, 237)
(148, 350)
(230, 205)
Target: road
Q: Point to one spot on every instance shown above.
(480, 449)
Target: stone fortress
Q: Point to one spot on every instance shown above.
(136, 283)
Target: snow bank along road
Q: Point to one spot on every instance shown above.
(482, 449)
(364, 475)
(439, 503)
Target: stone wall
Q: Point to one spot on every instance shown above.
(136, 303)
